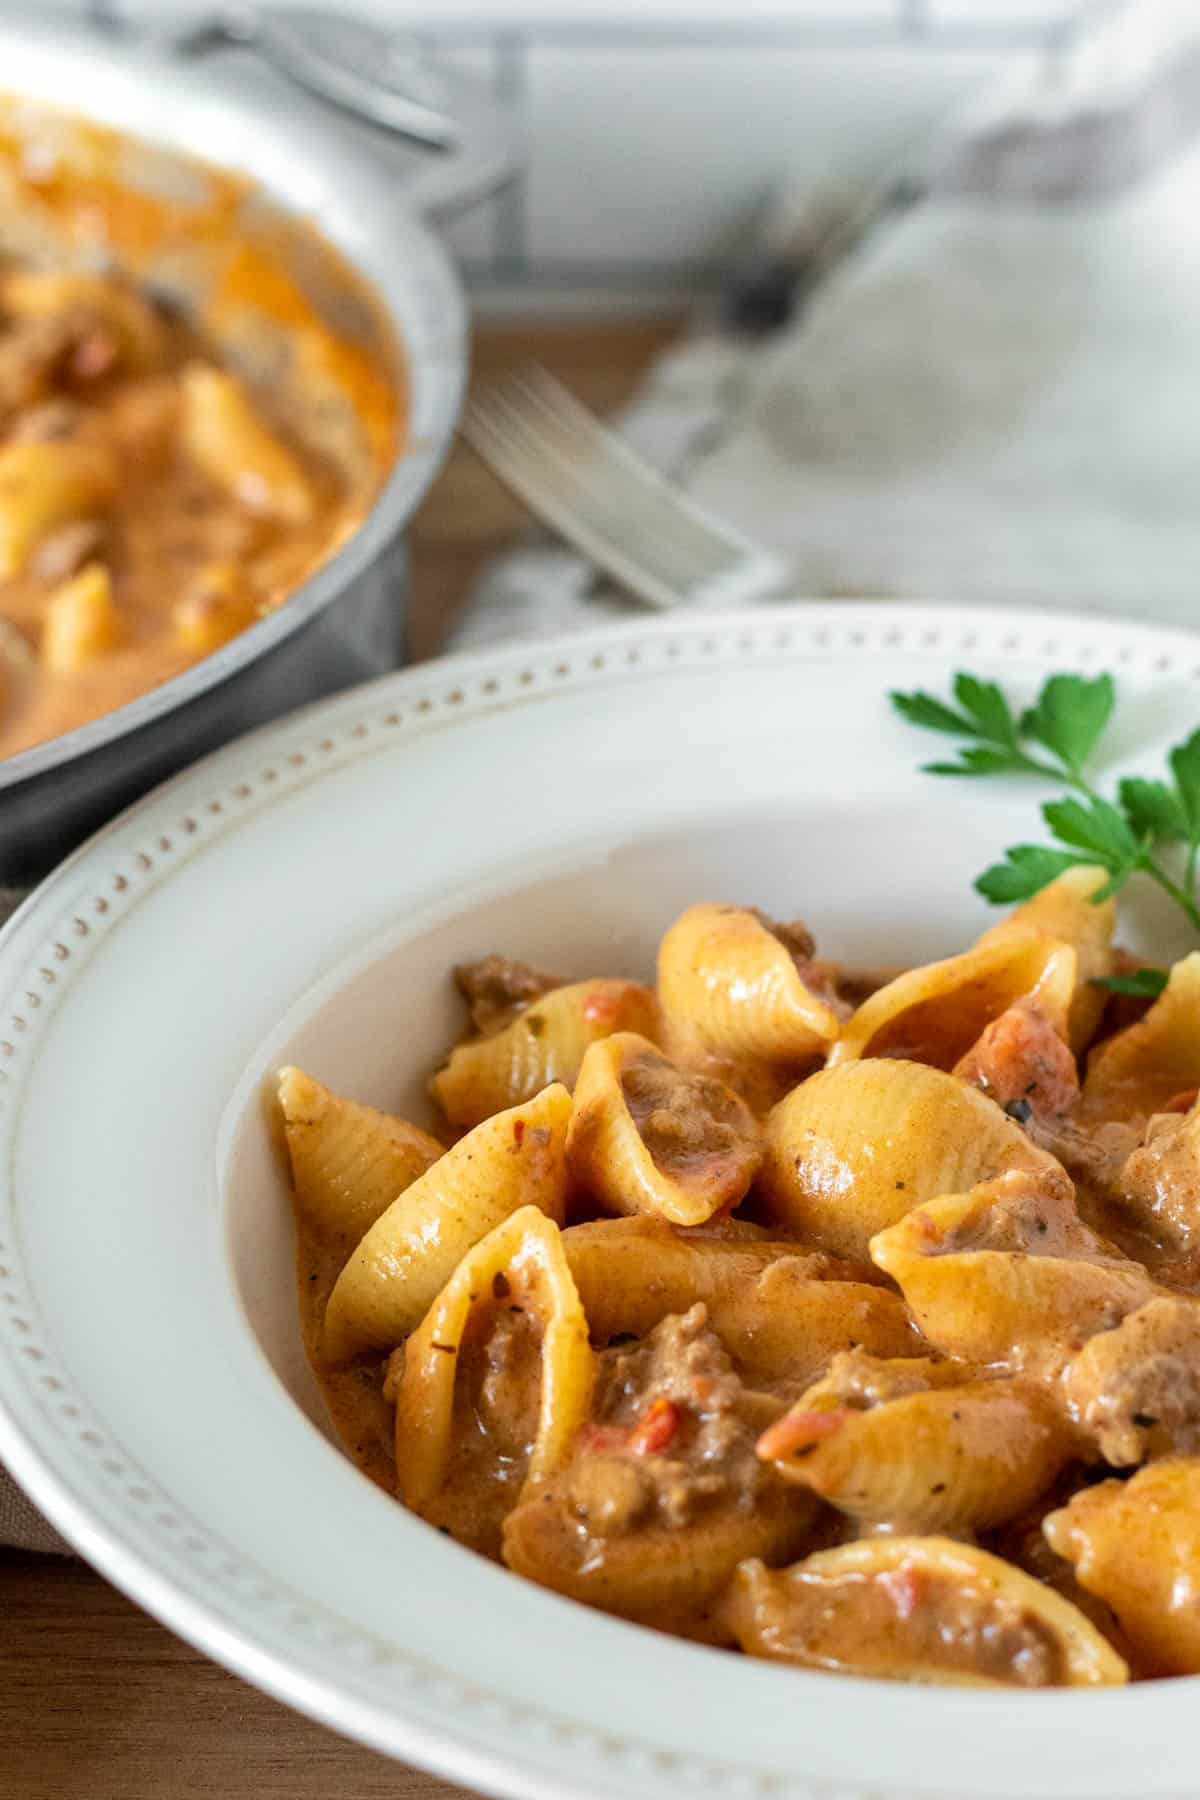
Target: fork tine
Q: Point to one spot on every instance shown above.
(548, 502)
(631, 503)
(621, 512)
(629, 519)
(571, 423)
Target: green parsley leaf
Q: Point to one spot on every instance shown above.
(1028, 869)
(922, 709)
(1143, 984)
(1185, 767)
(1096, 826)
(980, 760)
(985, 703)
(1067, 721)
(1070, 716)
(1153, 810)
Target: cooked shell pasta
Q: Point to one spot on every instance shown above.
(1136, 1544)
(544, 1043)
(1065, 912)
(780, 1314)
(1009, 1274)
(1142, 1068)
(532, 1388)
(45, 485)
(743, 987)
(935, 1013)
(349, 1162)
(853, 1149)
(81, 621)
(938, 1452)
(648, 1137)
(410, 1252)
(224, 436)
(921, 1609)
(661, 1576)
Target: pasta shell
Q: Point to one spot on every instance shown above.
(349, 1162)
(854, 1148)
(726, 978)
(544, 1043)
(44, 485)
(226, 438)
(1136, 1389)
(409, 1253)
(81, 622)
(523, 1255)
(647, 1137)
(1065, 912)
(919, 1609)
(935, 1013)
(780, 1317)
(663, 1576)
(949, 1458)
(1138, 1071)
(1009, 1274)
(1136, 1544)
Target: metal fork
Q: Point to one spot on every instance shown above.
(601, 497)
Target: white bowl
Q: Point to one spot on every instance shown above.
(300, 897)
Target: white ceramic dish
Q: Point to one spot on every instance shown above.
(300, 896)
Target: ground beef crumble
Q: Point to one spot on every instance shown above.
(681, 1374)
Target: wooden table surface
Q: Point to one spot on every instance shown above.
(97, 1701)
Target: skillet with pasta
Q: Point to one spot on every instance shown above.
(849, 1321)
(190, 420)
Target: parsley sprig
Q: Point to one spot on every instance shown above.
(1151, 828)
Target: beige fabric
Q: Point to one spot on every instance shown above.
(22, 1525)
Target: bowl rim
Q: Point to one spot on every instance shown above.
(494, 680)
(431, 371)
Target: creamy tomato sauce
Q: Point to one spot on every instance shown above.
(237, 442)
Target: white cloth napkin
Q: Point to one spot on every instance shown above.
(993, 399)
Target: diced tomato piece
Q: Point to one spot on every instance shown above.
(656, 1428)
(1184, 1102)
(800, 1430)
